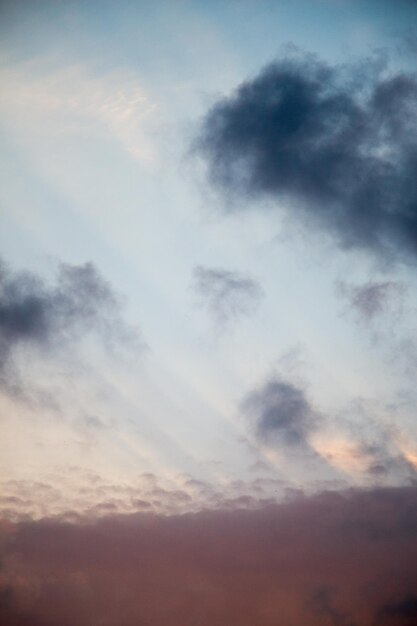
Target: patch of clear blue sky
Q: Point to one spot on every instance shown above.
(138, 33)
(332, 29)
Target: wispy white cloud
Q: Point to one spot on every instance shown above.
(75, 100)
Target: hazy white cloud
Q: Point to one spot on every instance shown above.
(74, 99)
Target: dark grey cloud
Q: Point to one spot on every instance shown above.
(37, 315)
(226, 294)
(281, 412)
(335, 145)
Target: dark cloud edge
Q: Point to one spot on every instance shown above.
(40, 316)
(337, 144)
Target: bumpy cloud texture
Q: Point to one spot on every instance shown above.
(336, 559)
(337, 146)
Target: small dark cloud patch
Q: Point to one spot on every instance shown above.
(372, 299)
(227, 295)
(401, 613)
(388, 466)
(280, 412)
(41, 316)
(95, 423)
(335, 145)
(324, 604)
(377, 469)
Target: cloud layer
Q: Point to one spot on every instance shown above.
(337, 145)
(332, 560)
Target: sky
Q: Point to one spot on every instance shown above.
(208, 295)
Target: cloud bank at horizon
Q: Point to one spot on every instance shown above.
(337, 559)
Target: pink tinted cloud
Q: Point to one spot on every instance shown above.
(334, 559)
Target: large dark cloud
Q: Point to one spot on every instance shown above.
(337, 146)
(226, 294)
(280, 412)
(40, 316)
(345, 559)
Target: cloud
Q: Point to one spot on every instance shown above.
(282, 417)
(323, 604)
(76, 100)
(40, 316)
(227, 295)
(386, 464)
(281, 412)
(336, 145)
(90, 495)
(402, 613)
(372, 459)
(373, 298)
(344, 558)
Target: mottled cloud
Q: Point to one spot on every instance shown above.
(372, 299)
(385, 463)
(283, 419)
(37, 315)
(87, 495)
(226, 294)
(336, 145)
(340, 559)
(280, 413)
(368, 460)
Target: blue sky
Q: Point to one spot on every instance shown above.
(100, 106)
